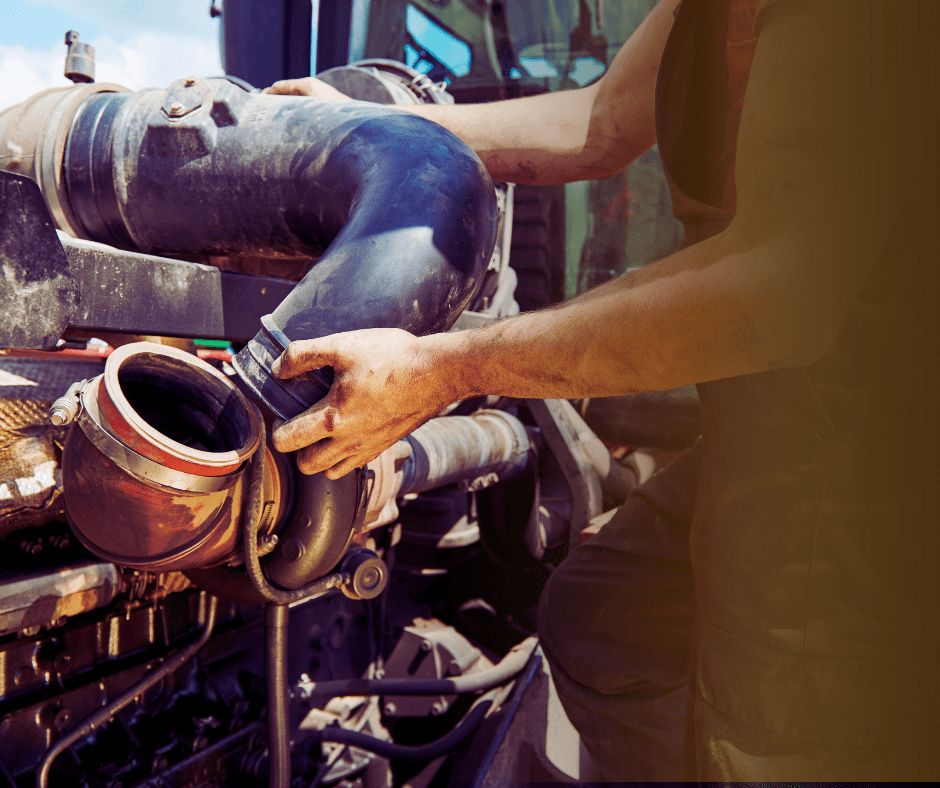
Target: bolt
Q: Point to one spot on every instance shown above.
(176, 108)
(292, 549)
(390, 709)
(266, 543)
(190, 81)
(22, 676)
(370, 578)
(62, 662)
(426, 645)
(438, 708)
(158, 764)
(59, 417)
(61, 719)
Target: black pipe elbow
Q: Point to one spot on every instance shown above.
(402, 214)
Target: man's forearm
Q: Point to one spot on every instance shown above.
(571, 135)
(704, 313)
(536, 140)
(585, 134)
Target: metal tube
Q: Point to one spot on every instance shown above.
(38, 600)
(107, 713)
(455, 448)
(275, 668)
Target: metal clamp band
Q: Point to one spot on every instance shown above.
(141, 466)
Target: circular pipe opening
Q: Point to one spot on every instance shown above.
(184, 404)
(175, 409)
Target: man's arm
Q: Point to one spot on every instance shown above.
(815, 146)
(560, 137)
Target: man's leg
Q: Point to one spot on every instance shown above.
(615, 621)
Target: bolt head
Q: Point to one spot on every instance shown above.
(292, 549)
(390, 709)
(190, 81)
(61, 719)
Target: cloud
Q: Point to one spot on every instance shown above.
(124, 17)
(27, 70)
(144, 59)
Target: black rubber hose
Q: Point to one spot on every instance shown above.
(403, 212)
(108, 712)
(423, 752)
(507, 668)
(275, 668)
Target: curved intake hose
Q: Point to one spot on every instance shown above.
(402, 211)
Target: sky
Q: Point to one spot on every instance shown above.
(138, 43)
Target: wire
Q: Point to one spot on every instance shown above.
(500, 673)
(423, 752)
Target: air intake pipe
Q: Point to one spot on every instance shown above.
(401, 214)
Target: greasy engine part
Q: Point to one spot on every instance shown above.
(152, 468)
(154, 477)
(33, 137)
(475, 451)
(106, 714)
(385, 82)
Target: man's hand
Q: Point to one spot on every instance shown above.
(308, 86)
(387, 383)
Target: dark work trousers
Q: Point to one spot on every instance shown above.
(616, 623)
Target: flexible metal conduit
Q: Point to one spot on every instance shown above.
(251, 520)
(107, 713)
(486, 679)
(405, 212)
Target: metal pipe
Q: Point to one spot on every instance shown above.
(38, 600)
(405, 211)
(107, 713)
(455, 448)
(500, 673)
(275, 668)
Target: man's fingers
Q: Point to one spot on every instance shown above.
(302, 356)
(310, 427)
(326, 456)
(342, 468)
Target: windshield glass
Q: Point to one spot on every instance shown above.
(552, 45)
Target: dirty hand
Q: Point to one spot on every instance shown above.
(307, 86)
(387, 383)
